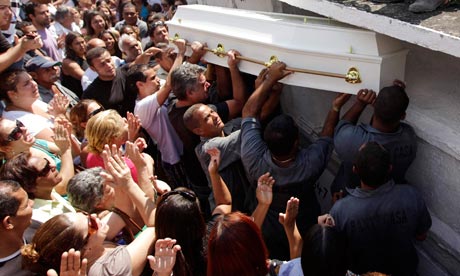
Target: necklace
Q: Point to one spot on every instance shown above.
(283, 161)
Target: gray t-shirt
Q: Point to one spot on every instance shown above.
(381, 226)
(11, 265)
(230, 169)
(113, 263)
(308, 166)
(297, 180)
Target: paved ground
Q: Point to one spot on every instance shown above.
(446, 19)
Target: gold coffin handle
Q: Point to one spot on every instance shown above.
(353, 76)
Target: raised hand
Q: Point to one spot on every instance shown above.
(61, 138)
(71, 265)
(58, 105)
(160, 186)
(288, 218)
(165, 256)
(134, 125)
(115, 165)
(264, 193)
(133, 152)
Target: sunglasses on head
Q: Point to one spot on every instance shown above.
(157, 24)
(16, 133)
(100, 109)
(46, 170)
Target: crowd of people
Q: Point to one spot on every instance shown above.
(123, 156)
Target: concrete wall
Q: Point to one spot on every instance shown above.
(433, 85)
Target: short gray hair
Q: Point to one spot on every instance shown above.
(185, 78)
(123, 38)
(85, 190)
(61, 13)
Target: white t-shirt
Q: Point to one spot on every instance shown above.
(33, 122)
(155, 121)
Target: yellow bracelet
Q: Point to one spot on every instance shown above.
(335, 109)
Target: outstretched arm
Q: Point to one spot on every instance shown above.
(275, 72)
(222, 195)
(164, 91)
(116, 166)
(333, 116)
(62, 140)
(290, 227)
(14, 53)
(236, 104)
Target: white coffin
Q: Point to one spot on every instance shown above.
(310, 43)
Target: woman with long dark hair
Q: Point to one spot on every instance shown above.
(95, 23)
(74, 64)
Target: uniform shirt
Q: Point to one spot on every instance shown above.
(348, 138)
(381, 226)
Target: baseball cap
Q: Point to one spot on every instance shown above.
(40, 62)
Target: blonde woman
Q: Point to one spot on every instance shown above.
(108, 127)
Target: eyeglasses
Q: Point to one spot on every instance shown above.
(46, 170)
(100, 109)
(185, 194)
(17, 132)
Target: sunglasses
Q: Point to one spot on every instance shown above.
(46, 170)
(100, 109)
(92, 224)
(157, 24)
(17, 132)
